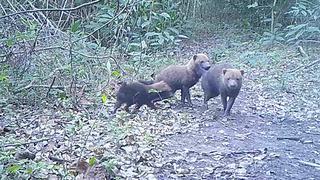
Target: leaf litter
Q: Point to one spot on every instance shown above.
(271, 134)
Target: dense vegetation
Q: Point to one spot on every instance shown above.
(65, 55)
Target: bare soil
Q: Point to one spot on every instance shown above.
(243, 146)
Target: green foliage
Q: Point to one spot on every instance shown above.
(110, 165)
(75, 26)
(11, 168)
(275, 37)
(145, 26)
(306, 14)
(104, 98)
(92, 161)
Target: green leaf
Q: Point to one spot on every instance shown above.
(75, 26)
(104, 98)
(116, 73)
(92, 161)
(3, 77)
(10, 42)
(13, 169)
(29, 171)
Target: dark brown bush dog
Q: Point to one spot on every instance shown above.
(138, 93)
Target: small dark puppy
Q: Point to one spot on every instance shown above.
(138, 93)
(183, 77)
(222, 80)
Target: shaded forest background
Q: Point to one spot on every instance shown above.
(71, 54)
(61, 46)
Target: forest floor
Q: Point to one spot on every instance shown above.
(272, 133)
(262, 139)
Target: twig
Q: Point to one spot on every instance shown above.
(45, 17)
(245, 152)
(36, 39)
(305, 66)
(51, 10)
(289, 138)
(118, 65)
(25, 88)
(21, 144)
(310, 40)
(310, 164)
(54, 79)
(302, 52)
(60, 19)
(58, 160)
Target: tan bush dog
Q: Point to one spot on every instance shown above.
(138, 93)
(183, 77)
(222, 80)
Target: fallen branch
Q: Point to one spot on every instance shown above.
(305, 66)
(21, 144)
(302, 52)
(58, 160)
(289, 138)
(25, 88)
(51, 10)
(310, 164)
(245, 152)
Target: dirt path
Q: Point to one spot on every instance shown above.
(265, 137)
(245, 146)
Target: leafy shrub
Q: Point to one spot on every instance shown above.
(138, 26)
(306, 17)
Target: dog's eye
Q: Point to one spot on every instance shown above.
(228, 79)
(238, 79)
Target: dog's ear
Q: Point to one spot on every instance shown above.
(194, 57)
